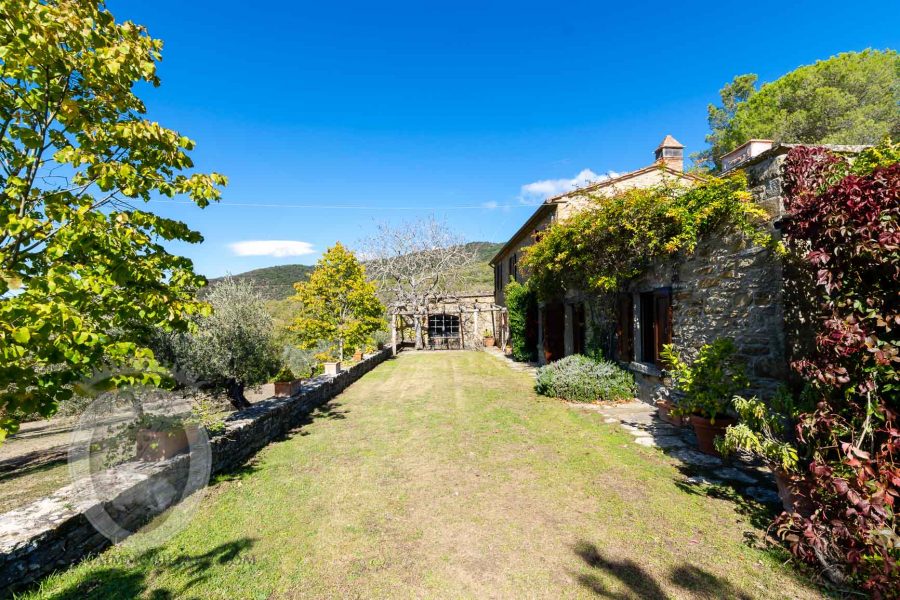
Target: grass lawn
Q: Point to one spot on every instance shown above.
(443, 475)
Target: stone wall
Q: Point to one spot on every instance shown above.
(52, 533)
(728, 288)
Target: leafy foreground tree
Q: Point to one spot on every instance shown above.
(337, 304)
(851, 98)
(233, 347)
(83, 273)
(418, 263)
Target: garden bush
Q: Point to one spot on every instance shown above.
(581, 379)
(710, 381)
(519, 300)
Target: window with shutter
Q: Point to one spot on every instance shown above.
(656, 324)
(625, 328)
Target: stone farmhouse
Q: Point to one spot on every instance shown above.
(562, 327)
(726, 288)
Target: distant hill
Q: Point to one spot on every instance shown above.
(276, 283)
(480, 277)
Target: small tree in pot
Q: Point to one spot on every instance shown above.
(380, 338)
(709, 383)
(766, 430)
(488, 338)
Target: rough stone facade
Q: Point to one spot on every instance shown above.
(728, 288)
(54, 532)
(725, 288)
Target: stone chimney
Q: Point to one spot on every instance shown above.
(671, 152)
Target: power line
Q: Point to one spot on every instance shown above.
(488, 206)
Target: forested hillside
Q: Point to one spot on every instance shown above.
(276, 283)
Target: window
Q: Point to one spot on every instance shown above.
(625, 329)
(514, 267)
(443, 326)
(672, 152)
(498, 278)
(579, 329)
(656, 324)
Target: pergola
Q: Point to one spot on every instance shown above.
(445, 307)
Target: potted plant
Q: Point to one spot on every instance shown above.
(381, 338)
(488, 338)
(709, 384)
(666, 408)
(301, 363)
(765, 430)
(286, 383)
(357, 355)
(158, 437)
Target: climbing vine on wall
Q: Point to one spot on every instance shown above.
(618, 237)
(844, 222)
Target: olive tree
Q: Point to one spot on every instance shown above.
(233, 347)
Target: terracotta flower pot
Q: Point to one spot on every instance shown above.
(664, 409)
(160, 445)
(707, 432)
(357, 356)
(287, 388)
(488, 342)
(791, 500)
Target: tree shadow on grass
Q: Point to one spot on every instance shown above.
(632, 575)
(757, 514)
(330, 411)
(642, 585)
(133, 578)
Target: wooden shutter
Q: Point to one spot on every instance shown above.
(662, 320)
(625, 328)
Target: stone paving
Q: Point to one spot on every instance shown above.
(746, 476)
(750, 478)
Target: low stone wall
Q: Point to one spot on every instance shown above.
(54, 532)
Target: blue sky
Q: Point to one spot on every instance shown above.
(413, 108)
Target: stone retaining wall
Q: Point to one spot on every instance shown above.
(54, 532)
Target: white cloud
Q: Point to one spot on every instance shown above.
(538, 191)
(490, 205)
(277, 248)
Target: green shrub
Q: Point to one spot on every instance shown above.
(710, 381)
(285, 374)
(582, 379)
(519, 299)
(765, 430)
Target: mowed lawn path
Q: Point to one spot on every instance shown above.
(442, 475)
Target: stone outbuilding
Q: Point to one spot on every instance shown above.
(459, 322)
